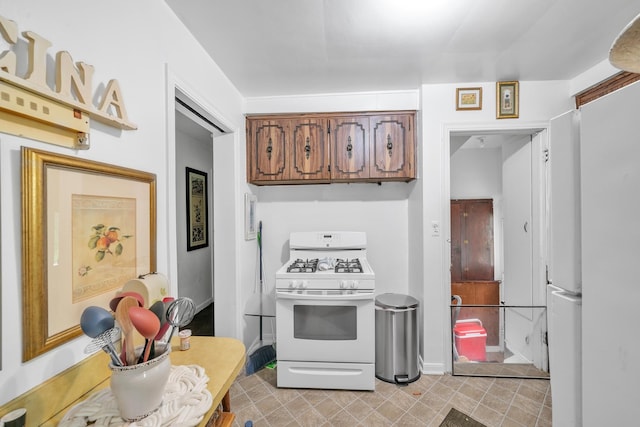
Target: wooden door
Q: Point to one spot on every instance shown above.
(472, 240)
(310, 150)
(269, 141)
(391, 146)
(350, 148)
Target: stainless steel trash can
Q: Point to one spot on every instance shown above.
(397, 338)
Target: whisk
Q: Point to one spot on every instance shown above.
(105, 341)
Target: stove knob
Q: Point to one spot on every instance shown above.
(303, 284)
(355, 284)
(293, 284)
(343, 284)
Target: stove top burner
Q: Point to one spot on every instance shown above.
(348, 266)
(303, 266)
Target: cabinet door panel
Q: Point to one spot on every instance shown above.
(391, 146)
(478, 255)
(350, 152)
(269, 140)
(310, 153)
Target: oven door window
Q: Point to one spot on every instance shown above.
(325, 322)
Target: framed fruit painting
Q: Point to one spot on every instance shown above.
(88, 228)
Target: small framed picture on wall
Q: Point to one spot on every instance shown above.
(197, 215)
(507, 100)
(469, 98)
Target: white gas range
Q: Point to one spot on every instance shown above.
(325, 314)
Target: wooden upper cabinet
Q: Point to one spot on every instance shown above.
(392, 146)
(268, 150)
(310, 150)
(331, 147)
(350, 148)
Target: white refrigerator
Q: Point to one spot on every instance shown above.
(594, 212)
(610, 214)
(564, 293)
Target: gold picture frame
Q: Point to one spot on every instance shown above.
(87, 228)
(197, 209)
(507, 100)
(468, 98)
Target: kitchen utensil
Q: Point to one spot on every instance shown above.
(95, 320)
(147, 323)
(105, 341)
(122, 316)
(113, 304)
(180, 313)
(159, 310)
(164, 325)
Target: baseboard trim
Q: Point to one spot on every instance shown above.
(203, 305)
(432, 368)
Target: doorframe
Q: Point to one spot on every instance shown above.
(539, 264)
(173, 84)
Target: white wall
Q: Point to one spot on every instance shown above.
(476, 173)
(131, 42)
(539, 101)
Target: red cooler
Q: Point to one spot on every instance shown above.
(471, 339)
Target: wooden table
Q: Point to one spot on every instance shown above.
(222, 359)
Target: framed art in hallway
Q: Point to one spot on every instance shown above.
(88, 228)
(469, 98)
(197, 214)
(507, 100)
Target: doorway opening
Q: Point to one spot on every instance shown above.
(497, 227)
(193, 161)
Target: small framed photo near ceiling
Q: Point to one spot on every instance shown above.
(507, 100)
(469, 98)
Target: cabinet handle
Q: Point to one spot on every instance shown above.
(269, 148)
(349, 145)
(389, 145)
(307, 149)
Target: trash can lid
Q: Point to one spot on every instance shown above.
(396, 301)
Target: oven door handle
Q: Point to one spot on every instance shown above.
(311, 297)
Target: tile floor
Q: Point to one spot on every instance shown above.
(492, 401)
(495, 402)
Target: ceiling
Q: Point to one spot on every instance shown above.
(286, 47)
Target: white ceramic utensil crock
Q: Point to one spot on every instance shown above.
(138, 389)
